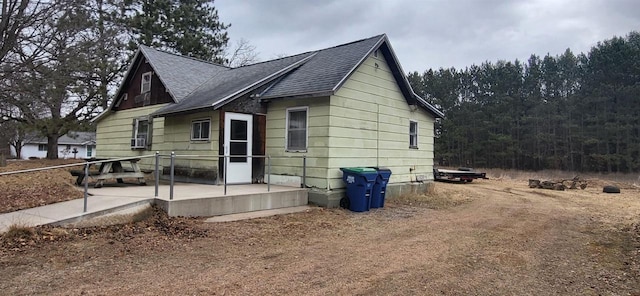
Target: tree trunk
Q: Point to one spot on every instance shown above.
(52, 146)
(3, 159)
(18, 148)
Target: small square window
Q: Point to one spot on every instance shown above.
(42, 147)
(200, 129)
(145, 85)
(413, 134)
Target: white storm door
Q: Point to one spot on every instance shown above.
(238, 133)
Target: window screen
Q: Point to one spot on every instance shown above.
(297, 129)
(413, 134)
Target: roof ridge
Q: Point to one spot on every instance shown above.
(277, 59)
(353, 42)
(317, 50)
(144, 47)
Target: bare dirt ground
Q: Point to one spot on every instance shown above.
(487, 237)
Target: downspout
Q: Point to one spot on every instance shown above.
(378, 135)
(328, 145)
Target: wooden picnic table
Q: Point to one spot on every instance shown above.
(112, 169)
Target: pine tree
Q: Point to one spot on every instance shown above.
(191, 28)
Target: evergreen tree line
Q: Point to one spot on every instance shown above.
(568, 112)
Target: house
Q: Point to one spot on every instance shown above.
(343, 106)
(71, 145)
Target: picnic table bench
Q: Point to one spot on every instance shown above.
(111, 169)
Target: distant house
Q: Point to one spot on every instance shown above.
(343, 106)
(71, 145)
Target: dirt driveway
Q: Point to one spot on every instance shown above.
(487, 237)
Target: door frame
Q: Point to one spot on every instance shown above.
(238, 172)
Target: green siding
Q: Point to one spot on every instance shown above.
(169, 134)
(177, 138)
(114, 131)
(370, 127)
(318, 122)
(366, 123)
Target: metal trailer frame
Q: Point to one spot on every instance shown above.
(464, 175)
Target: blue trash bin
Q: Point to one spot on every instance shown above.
(379, 190)
(359, 183)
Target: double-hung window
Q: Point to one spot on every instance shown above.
(413, 134)
(145, 85)
(296, 129)
(140, 137)
(200, 129)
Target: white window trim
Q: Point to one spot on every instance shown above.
(200, 121)
(146, 136)
(286, 129)
(137, 125)
(416, 135)
(142, 90)
(87, 149)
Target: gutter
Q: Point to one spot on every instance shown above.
(323, 93)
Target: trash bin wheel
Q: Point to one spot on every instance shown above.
(345, 203)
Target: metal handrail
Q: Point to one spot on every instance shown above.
(71, 165)
(172, 156)
(86, 165)
(42, 169)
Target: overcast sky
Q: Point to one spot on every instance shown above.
(431, 33)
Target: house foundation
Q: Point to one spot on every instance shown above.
(331, 198)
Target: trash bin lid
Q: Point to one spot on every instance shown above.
(358, 170)
(381, 169)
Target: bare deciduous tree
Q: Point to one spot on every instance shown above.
(78, 57)
(241, 53)
(20, 22)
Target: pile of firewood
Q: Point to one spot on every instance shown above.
(559, 185)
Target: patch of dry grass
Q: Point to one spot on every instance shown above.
(558, 174)
(625, 181)
(18, 232)
(117, 218)
(433, 198)
(33, 189)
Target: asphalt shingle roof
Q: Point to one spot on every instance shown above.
(197, 84)
(325, 70)
(231, 81)
(180, 75)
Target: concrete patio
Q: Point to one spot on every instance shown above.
(189, 200)
(192, 200)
